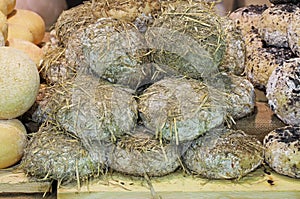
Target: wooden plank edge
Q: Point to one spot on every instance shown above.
(118, 184)
(15, 181)
(185, 195)
(26, 187)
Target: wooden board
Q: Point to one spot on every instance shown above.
(15, 181)
(258, 184)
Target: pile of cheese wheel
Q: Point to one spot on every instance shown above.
(272, 37)
(21, 31)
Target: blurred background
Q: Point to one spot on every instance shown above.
(51, 9)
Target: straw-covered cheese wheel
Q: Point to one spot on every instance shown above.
(224, 154)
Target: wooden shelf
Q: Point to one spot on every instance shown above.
(255, 185)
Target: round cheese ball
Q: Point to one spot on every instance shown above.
(247, 18)
(293, 32)
(263, 61)
(283, 1)
(20, 82)
(283, 91)
(282, 150)
(12, 141)
(274, 23)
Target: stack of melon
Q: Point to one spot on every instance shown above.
(20, 32)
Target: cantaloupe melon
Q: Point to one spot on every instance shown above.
(19, 82)
(12, 141)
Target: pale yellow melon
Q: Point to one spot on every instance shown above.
(7, 6)
(20, 32)
(19, 82)
(3, 25)
(31, 20)
(2, 40)
(3, 7)
(11, 4)
(32, 50)
(13, 140)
